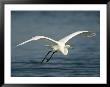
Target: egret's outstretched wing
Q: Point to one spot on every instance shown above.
(37, 38)
(84, 33)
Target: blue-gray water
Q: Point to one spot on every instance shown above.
(83, 60)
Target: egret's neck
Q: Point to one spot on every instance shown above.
(62, 48)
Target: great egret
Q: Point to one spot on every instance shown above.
(59, 45)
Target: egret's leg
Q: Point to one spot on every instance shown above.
(51, 56)
(46, 56)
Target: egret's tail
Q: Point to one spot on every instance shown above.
(47, 45)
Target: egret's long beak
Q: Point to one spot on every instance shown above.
(71, 46)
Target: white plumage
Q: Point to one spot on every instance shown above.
(61, 44)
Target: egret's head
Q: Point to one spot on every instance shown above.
(68, 46)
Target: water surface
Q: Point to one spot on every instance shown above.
(83, 59)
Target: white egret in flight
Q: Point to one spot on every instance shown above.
(59, 45)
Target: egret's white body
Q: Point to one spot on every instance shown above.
(61, 44)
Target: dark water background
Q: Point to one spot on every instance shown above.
(82, 61)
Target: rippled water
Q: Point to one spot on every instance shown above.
(83, 59)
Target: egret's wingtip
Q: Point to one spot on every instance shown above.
(17, 45)
(92, 35)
